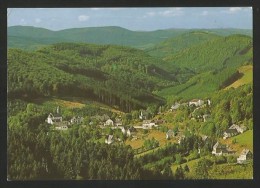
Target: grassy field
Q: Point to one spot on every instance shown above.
(231, 171)
(191, 164)
(245, 139)
(242, 141)
(158, 135)
(247, 77)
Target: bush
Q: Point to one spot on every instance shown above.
(231, 159)
(220, 159)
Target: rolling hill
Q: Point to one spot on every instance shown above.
(176, 44)
(214, 63)
(98, 35)
(90, 71)
(31, 38)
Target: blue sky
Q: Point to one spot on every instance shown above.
(146, 19)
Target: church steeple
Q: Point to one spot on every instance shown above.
(58, 110)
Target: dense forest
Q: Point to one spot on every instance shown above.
(122, 80)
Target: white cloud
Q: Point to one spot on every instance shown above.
(83, 18)
(38, 20)
(172, 12)
(166, 13)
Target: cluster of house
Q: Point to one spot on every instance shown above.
(129, 132)
(56, 119)
(195, 102)
(234, 130)
(221, 149)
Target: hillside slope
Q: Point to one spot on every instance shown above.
(91, 71)
(173, 45)
(214, 64)
(245, 78)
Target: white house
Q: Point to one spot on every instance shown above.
(229, 133)
(204, 138)
(245, 155)
(206, 117)
(148, 124)
(53, 118)
(109, 122)
(239, 129)
(123, 130)
(181, 138)
(62, 128)
(175, 106)
(77, 120)
(196, 102)
(219, 149)
(118, 122)
(109, 139)
(128, 133)
(169, 134)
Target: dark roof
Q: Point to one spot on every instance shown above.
(231, 131)
(57, 115)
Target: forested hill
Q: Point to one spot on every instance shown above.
(27, 37)
(31, 38)
(215, 54)
(174, 45)
(215, 64)
(90, 71)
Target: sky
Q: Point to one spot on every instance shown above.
(136, 19)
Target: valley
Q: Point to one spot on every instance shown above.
(168, 104)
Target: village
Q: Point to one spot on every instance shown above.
(149, 129)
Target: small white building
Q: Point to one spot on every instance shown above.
(53, 118)
(123, 130)
(109, 122)
(118, 122)
(175, 106)
(219, 149)
(148, 124)
(169, 134)
(206, 117)
(239, 129)
(245, 155)
(196, 102)
(77, 120)
(128, 133)
(62, 128)
(109, 139)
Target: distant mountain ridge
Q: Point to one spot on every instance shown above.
(30, 38)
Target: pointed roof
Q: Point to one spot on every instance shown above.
(245, 152)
